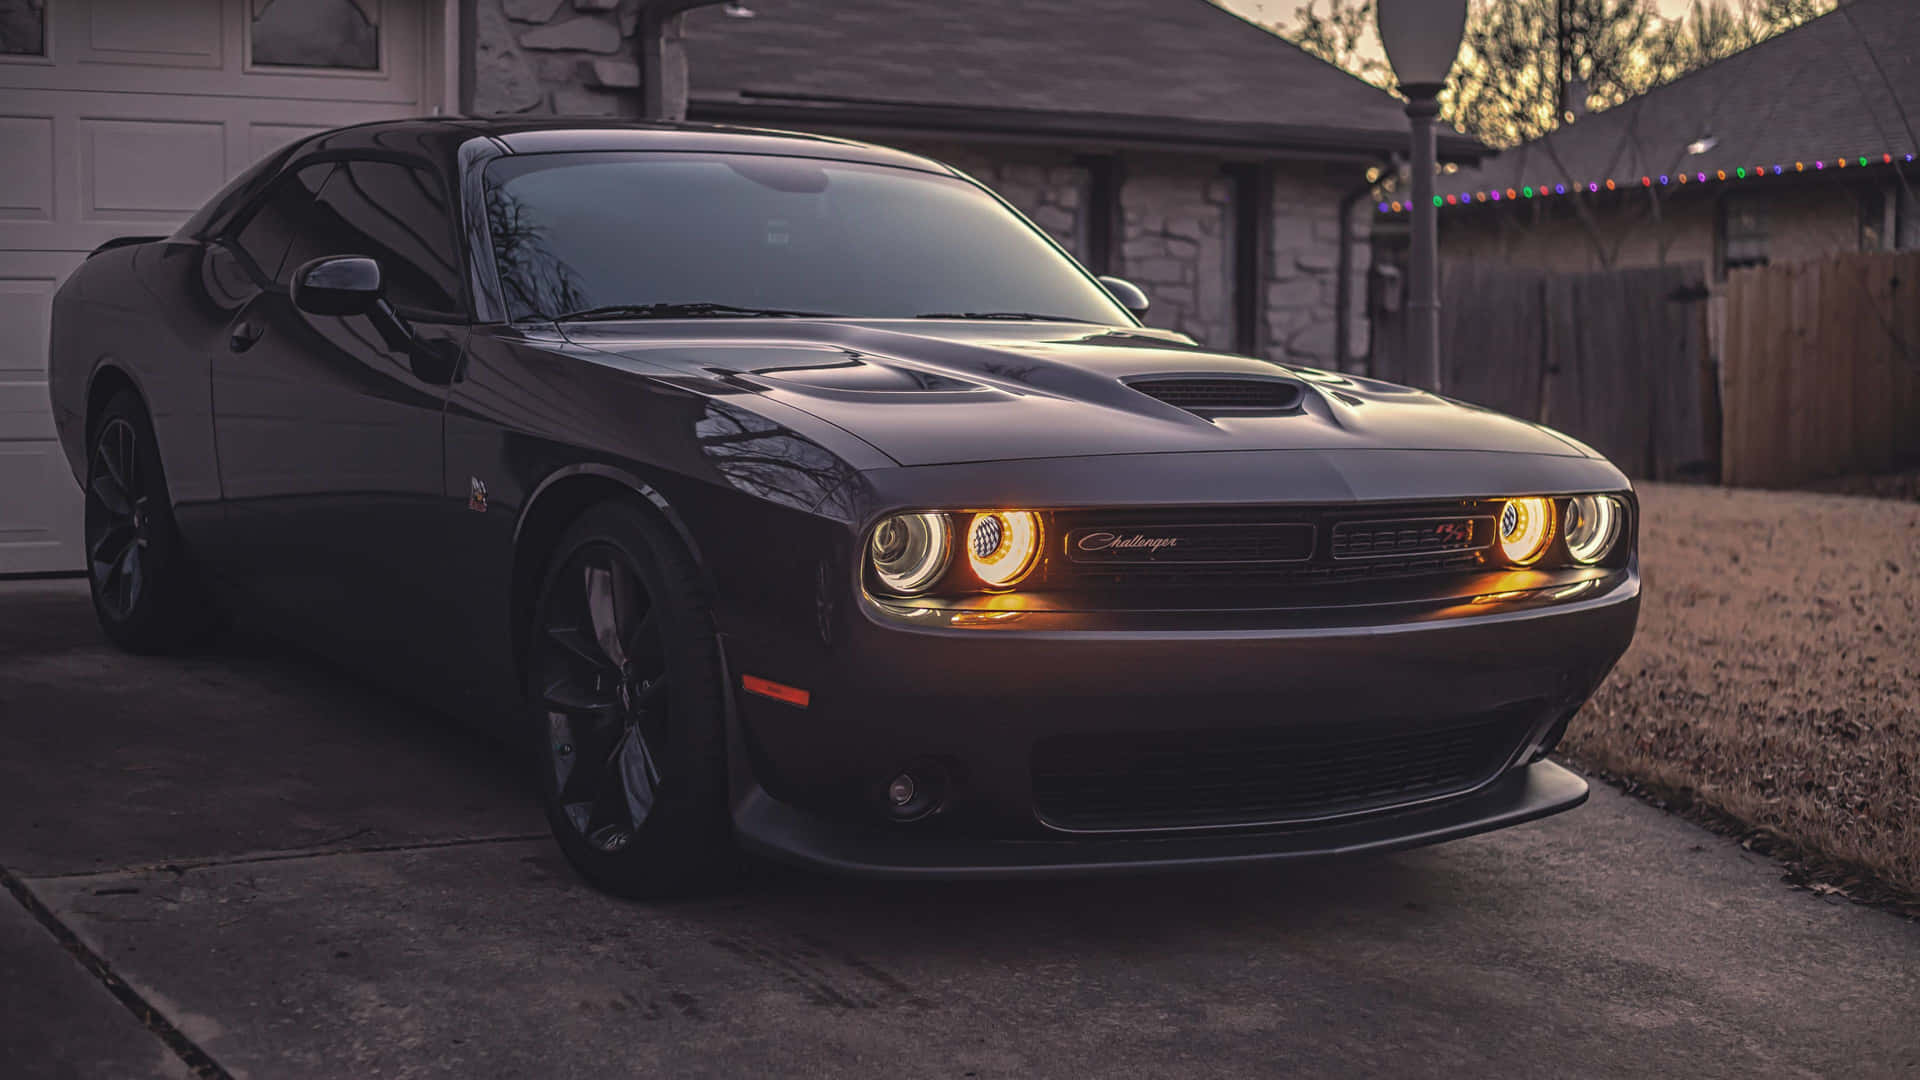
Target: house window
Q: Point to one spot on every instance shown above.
(23, 27)
(343, 34)
(1743, 231)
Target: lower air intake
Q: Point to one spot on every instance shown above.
(1190, 779)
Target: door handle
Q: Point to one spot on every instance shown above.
(244, 335)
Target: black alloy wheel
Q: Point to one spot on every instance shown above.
(623, 681)
(119, 519)
(145, 591)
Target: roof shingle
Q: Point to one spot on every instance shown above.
(1178, 61)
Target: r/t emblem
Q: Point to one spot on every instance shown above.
(477, 495)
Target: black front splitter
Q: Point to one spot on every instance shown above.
(772, 828)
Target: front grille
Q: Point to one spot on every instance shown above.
(1246, 777)
(1235, 543)
(1250, 556)
(1419, 536)
(1217, 395)
(1084, 576)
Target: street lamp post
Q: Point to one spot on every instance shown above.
(1421, 38)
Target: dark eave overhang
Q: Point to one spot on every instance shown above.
(1084, 131)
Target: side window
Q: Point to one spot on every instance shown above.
(287, 212)
(396, 214)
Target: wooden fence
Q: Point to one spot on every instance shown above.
(1617, 359)
(1820, 369)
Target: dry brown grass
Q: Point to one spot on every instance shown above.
(1775, 681)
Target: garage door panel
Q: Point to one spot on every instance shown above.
(201, 47)
(39, 501)
(177, 33)
(26, 184)
(149, 170)
(141, 110)
(40, 509)
(27, 284)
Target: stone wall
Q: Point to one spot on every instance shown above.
(576, 58)
(555, 57)
(1177, 214)
(1302, 276)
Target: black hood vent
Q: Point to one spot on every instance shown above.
(1222, 395)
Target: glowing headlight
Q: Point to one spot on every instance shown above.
(909, 551)
(1002, 544)
(1592, 525)
(1525, 527)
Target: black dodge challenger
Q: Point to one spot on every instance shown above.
(791, 494)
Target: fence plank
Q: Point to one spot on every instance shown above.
(1819, 373)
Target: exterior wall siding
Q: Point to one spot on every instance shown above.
(1177, 235)
(1802, 223)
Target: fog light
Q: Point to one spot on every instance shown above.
(902, 790)
(1526, 525)
(1001, 545)
(918, 790)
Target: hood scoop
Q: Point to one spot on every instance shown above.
(1227, 394)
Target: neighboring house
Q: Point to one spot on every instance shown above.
(1167, 141)
(1803, 145)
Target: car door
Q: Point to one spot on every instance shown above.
(329, 431)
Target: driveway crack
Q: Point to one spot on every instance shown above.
(196, 1058)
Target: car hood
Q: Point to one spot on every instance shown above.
(930, 393)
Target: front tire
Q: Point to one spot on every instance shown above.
(146, 593)
(626, 709)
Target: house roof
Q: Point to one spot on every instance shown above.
(1173, 72)
(1844, 84)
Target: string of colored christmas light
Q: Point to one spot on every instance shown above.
(1530, 191)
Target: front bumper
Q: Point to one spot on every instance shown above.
(777, 830)
(885, 696)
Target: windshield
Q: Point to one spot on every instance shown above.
(724, 235)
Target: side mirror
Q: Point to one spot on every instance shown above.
(338, 285)
(1128, 294)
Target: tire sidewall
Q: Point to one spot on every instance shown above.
(687, 834)
(169, 613)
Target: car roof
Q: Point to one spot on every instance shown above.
(564, 134)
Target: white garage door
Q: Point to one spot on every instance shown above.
(121, 117)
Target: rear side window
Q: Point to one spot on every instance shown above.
(397, 214)
(287, 212)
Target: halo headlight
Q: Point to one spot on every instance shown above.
(1002, 545)
(1592, 526)
(1526, 525)
(909, 552)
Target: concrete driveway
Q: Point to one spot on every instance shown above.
(249, 863)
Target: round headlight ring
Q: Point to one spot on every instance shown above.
(1526, 527)
(1593, 527)
(1002, 546)
(909, 552)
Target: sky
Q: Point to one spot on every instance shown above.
(1282, 12)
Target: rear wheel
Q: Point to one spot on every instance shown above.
(145, 591)
(625, 694)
